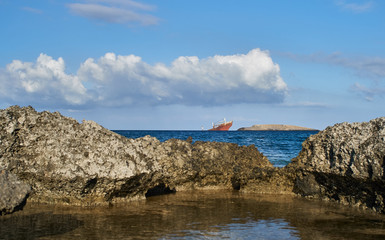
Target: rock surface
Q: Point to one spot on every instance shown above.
(13, 192)
(85, 164)
(275, 127)
(345, 163)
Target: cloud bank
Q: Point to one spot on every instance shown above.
(116, 81)
(115, 11)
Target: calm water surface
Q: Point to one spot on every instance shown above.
(197, 215)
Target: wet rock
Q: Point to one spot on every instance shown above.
(344, 163)
(13, 192)
(85, 164)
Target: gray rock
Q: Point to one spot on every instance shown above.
(13, 192)
(85, 164)
(344, 163)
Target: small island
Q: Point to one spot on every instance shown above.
(275, 127)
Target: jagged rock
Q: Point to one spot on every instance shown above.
(13, 192)
(85, 164)
(344, 163)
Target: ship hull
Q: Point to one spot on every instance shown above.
(222, 127)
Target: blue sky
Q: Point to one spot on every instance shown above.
(181, 64)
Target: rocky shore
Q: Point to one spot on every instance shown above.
(85, 164)
(54, 159)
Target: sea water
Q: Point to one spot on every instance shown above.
(278, 146)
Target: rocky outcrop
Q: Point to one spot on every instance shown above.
(275, 127)
(345, 163)
(85, 164)
(13, 192)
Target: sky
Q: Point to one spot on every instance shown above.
(183, 64)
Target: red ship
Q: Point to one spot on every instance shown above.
(222, 126)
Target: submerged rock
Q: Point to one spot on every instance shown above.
(344, 163)
(13, 192)
(85, 164)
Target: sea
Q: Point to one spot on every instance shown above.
(209, 214)
(278, 146)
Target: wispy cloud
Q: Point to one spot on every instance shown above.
(115, 11)
(363, 66)
(367, 68)
(125, 3)
(369, 93)
(114, 80)
(32, 10)
(363, 6)
(306, 104)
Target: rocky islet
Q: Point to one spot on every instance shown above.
(275, 127)
(58, 160)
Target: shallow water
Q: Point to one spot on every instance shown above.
(197, 215)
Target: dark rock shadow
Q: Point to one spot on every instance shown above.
(160, 189)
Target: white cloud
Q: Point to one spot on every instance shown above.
(115, 11)
(114, 80)
(42, 82)
(363, 6)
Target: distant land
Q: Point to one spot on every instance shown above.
(275, 127)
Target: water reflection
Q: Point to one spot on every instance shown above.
(263, 229)
(37, 225)
(197, 215)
